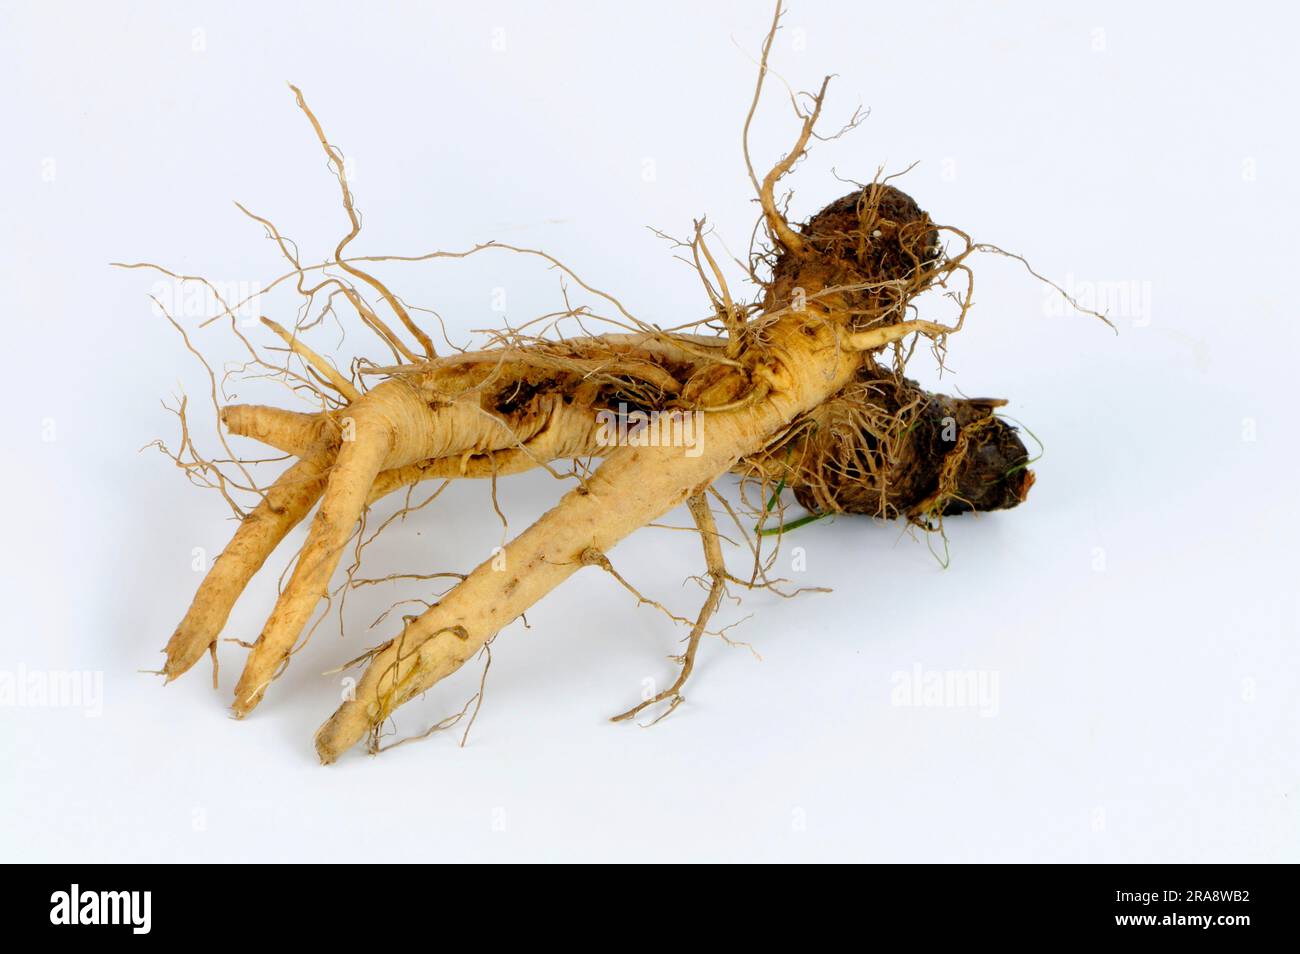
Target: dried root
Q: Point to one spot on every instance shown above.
(801, 389)
(717, 570)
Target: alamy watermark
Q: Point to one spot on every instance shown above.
(1124, 300)
(627, 428)
(75, 906)
(203, 300)
(53, 689)
(947, 689)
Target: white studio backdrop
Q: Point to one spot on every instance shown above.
(1133, 627)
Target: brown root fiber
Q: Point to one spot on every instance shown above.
(888, 448)
(875, 245)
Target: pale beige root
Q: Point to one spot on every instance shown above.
(569, 431)
(442, 639)
(480, 445)
(558, 428)
(293, 432)
(800, 366)
(496, 371)
(557, 431)
(287, 501)
(879, 337)
(391, 426)
(400, 423)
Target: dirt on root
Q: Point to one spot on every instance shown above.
(888, 448)
(875, 242)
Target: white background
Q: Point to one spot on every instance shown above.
(1139, 613)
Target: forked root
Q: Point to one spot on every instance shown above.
(286, 503)
(386, 428)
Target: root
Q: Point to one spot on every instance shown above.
(813, 460)
(717, 570)
(336, 161)
(593, 557)
(286, 503)
(323, 367)
(802, 389)
(390, 409)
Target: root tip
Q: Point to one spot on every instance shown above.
(240, 708)
(326, 750)
(342, 730)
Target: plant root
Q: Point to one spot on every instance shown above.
(717, 570)
(800, 389)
